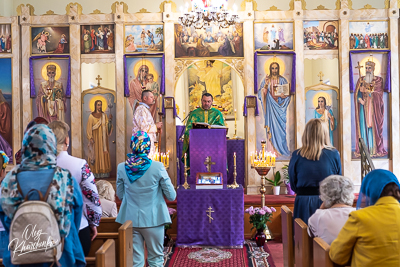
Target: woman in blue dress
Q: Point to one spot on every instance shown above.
(309, 165)
(326, 117)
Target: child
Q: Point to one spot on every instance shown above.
(3, 234)
(155, 89)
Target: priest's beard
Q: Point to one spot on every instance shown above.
(51, 79)
(369, 77)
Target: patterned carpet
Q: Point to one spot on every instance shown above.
(248, 256)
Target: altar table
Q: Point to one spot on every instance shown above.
(227, 224)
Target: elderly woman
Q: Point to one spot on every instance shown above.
(142, 185)
(371, 236)
(81, 172)
(107, 198)
(38, 170)
(337, 196)
(309, 165)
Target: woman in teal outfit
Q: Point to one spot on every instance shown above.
(142, 185)
(326, 117)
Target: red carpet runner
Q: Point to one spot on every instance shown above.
(249, 256)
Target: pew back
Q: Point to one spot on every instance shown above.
(303, 245)
(287, 236)
(321, 254)
(126, 244)
(105, 255)
(108, 225)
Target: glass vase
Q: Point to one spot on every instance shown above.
(260, 238)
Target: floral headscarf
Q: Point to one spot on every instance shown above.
(138, 161)
(5, 159)
(39, 153)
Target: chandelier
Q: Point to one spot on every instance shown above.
(206, 13)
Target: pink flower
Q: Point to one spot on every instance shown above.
(268, 210)
(261, 212)
(251, 208)
(273, 209)
(171, 211)
(251, 212)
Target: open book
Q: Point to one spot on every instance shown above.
(282, 89)
(204, 125)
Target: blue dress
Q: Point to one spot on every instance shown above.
(305, 176)
(73, 253)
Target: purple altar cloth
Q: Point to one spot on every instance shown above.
(232, 146)
(236, 145)
(204, 143)
(226, 227)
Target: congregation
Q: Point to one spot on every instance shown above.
(324, 198)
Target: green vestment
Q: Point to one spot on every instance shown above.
(212, 116)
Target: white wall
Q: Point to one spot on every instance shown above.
(329, 67)
(8, 7)
(89, 74)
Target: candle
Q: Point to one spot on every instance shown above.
(185, 160)
(269, 158)
(251, 158)
(160, 104)
(184, 114)
(273, 160)
(234, 159)
(235, 115)
(168, 158)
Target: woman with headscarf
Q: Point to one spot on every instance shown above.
(142, 185)
(371, 235)
(38, 170)
(37, 120)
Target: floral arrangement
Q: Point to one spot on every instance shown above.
(172, 213)
(260, 216)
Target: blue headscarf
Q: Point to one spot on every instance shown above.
(138, 161)
(373, 185)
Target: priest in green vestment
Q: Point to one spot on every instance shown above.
(206, 114)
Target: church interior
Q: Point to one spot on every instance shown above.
(271, 68)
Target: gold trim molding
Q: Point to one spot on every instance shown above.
(143, 10)
(68, 8)
(303, 4)
(243, 5)
(337, 4)
(31, 9)
(181, 65)
(49, 12)
(114, 7)
(238, 65)
(96, 11)
(173, 6)
(368, 6)
(321, 7)
(273, 8)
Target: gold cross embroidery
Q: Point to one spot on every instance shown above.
(209, 214)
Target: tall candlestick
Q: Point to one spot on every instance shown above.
(185, 185)
(160, 104)
(234, 135)
(235, 184)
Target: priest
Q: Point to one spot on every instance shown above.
(205, 114)
(143, 120)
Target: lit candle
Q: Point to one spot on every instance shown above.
(168, 158)
(273, 160)
(184, 114)
(234, 159)
(268, 158)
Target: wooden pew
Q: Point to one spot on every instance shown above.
(287, 236)
(105, 255)
(303, 245)
(123, 243)
(321, 254)
(108, 225)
